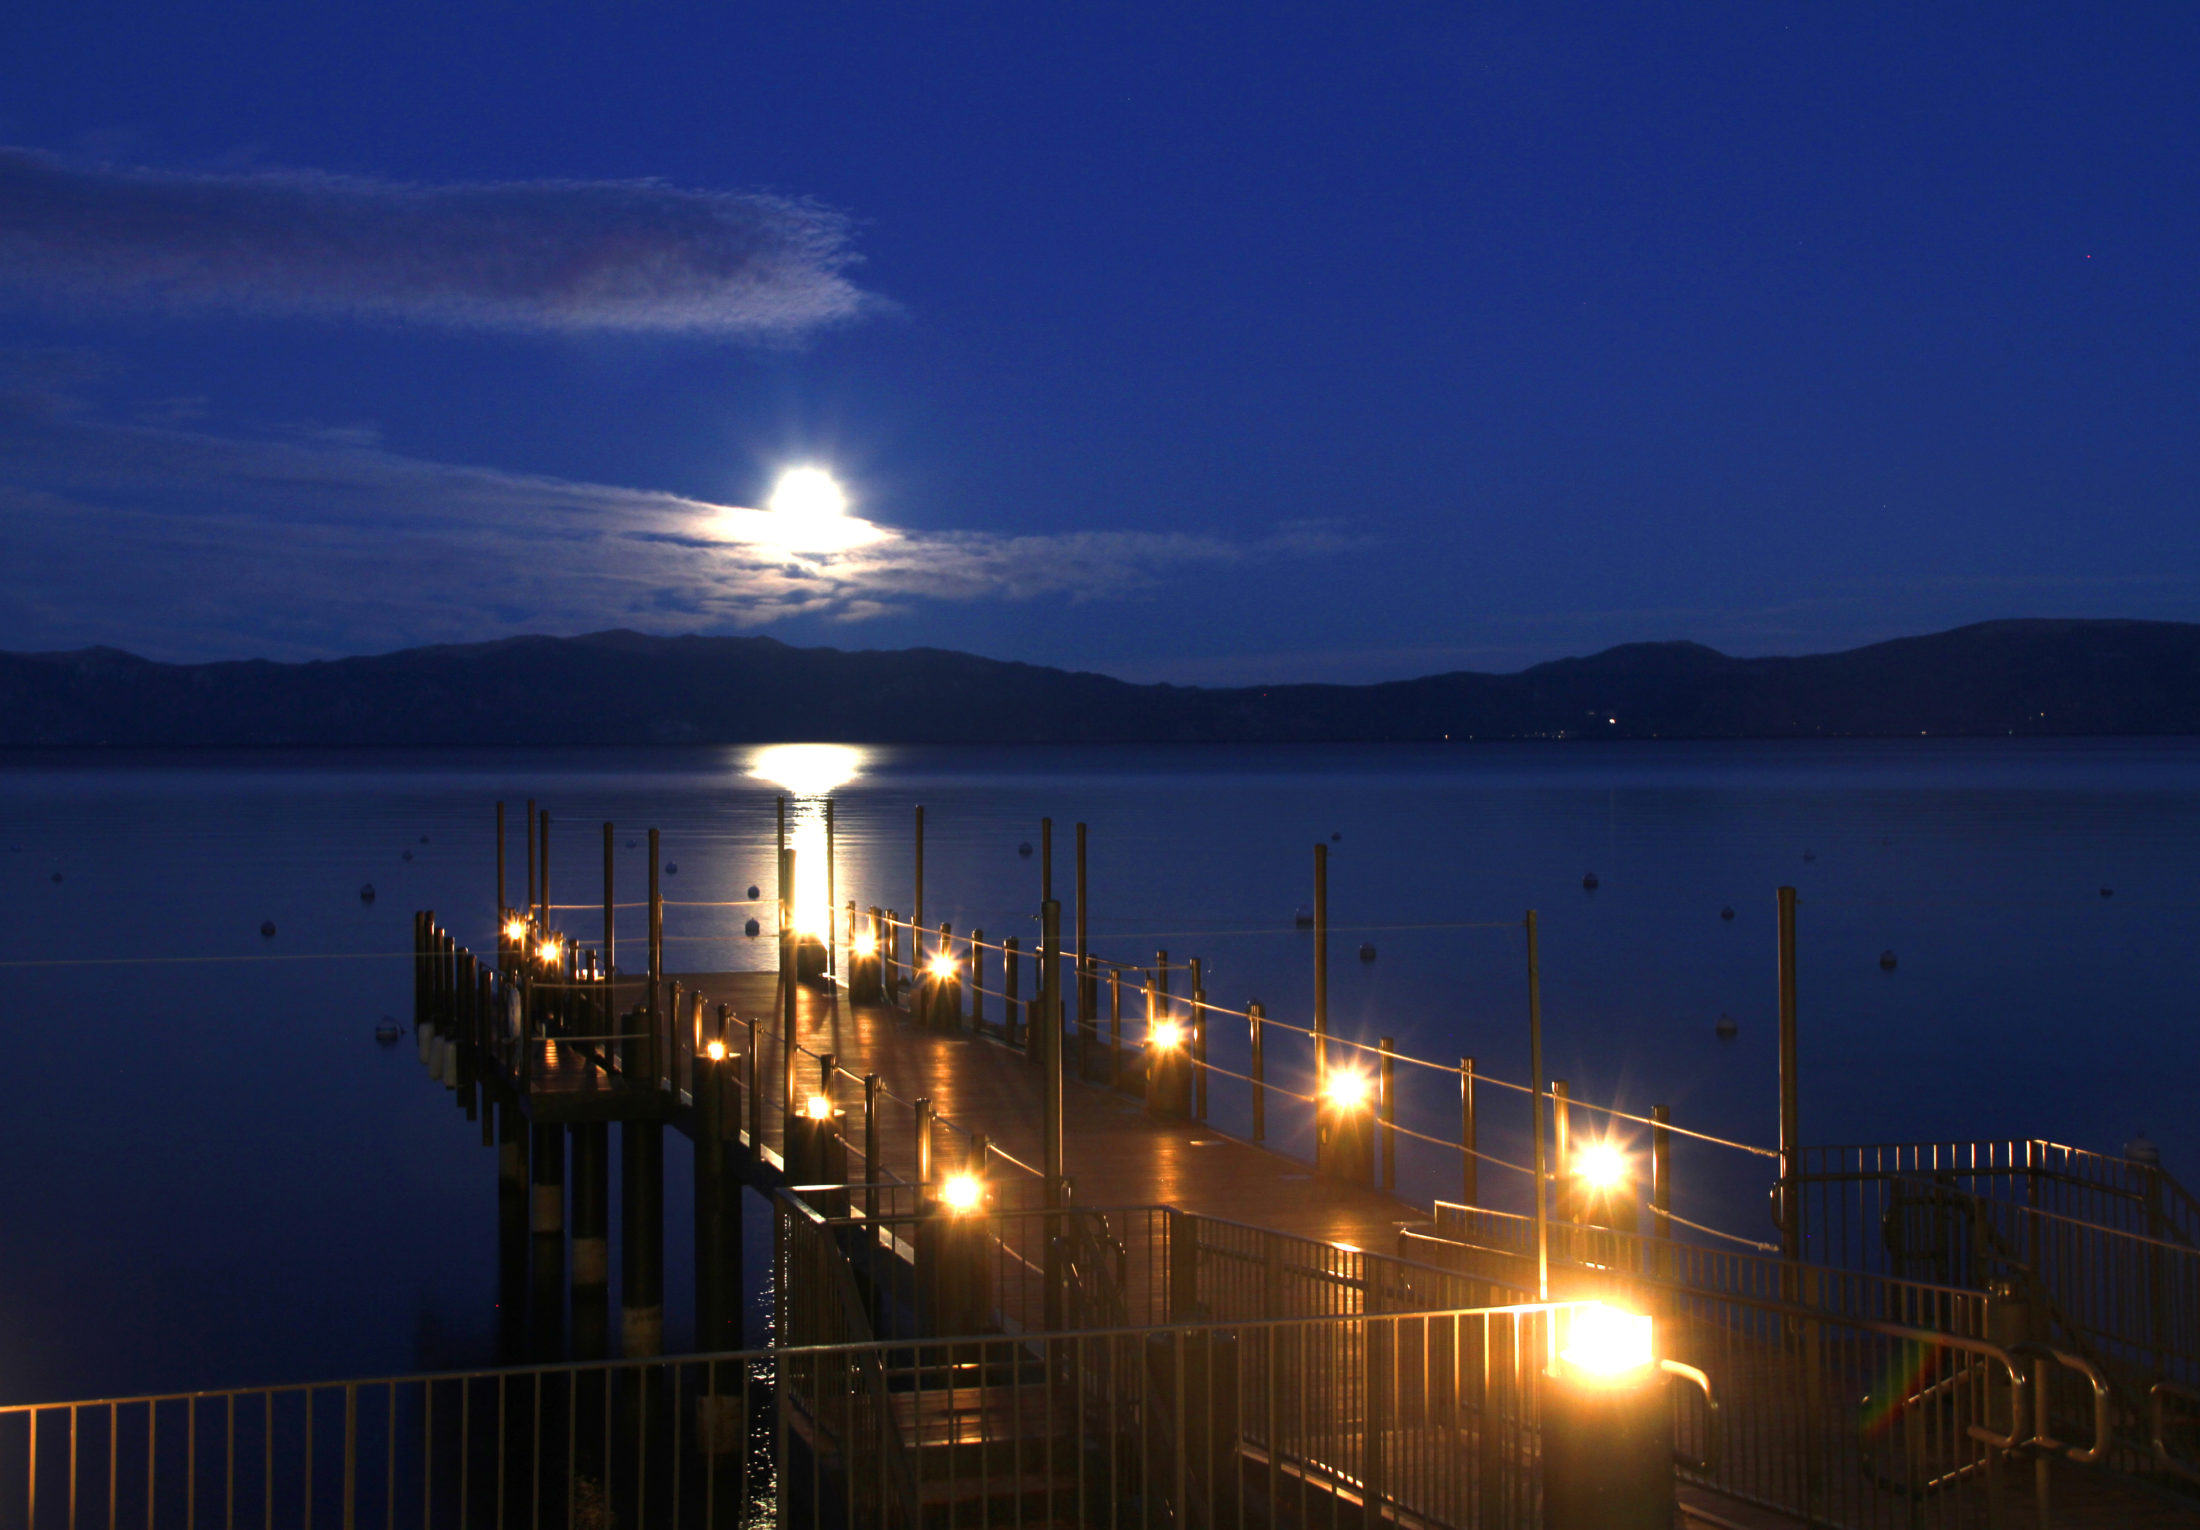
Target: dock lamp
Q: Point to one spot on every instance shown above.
(818, 1154)
(1608, 1454)
(953, 1264)
(1344, 1125)
(1168, 1071)
(942, 997)
(1604, 1187)
(864, 977)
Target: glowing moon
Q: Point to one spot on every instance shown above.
(808, 493)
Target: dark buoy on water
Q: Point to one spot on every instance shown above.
(366, 893)
(1726, 1027)
(630, 844)
(1810, 855)
(57, 876)
(388, 1031)
(1304, 918)
(754, 894)
(1367, 951)
(2108, 892)
(672, 868)
(1589, 882)
(1886, 961)
(267, 928)
(752, 928)
(1024, 849)
(1336, 839)
(423, 839)
(1727, 913)
(405, 856)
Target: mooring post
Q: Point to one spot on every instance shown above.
(543, 881)
(1791, 1145)
(1009, 992)
(610, 922)
(1388, 1083)
(503, 908)
(916, 920)
(832, 900)
(977, 981)
(530, 857)
(642, 1238)
(1321, 970)
(1199, 1044)
(1470, 1156)
(1535, 1113)
(591, 1239)
(870, 1146)
(889, 956)
(786, 988)
(753, 1072)
(717, 1218)
(1046, 860)
(1254, 1015)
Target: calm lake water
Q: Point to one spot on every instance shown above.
(210, 1173)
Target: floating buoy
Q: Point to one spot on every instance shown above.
(755, 893)
(1886, 961)
(366, 892)
(1367, 952)
(752, 928)
(1024, 849)
(405, 856)
(388, 1032)
(2108, 892)
(1336, 839)
(57, 876)
(1885, 842)
(630, 844)
(672, 868)
(423, 839)
(267, 928)
(1589, 883)
(1726, 1027)
(1727, 913)
(2140, 1150)
(1810, 855)
(1304, 918)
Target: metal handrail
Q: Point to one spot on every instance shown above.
(2104, 1423)
(2158, 1427)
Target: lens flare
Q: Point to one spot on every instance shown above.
(1347, 1090)
(1168, 1035)
(942, 965)
(516, 930)
(1602, 1167)
(715, 1051)
(818, 1107)
(962, 1193)
(1606, 1341)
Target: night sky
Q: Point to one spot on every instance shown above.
(1210, 344)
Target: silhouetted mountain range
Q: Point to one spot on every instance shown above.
(1996, 678)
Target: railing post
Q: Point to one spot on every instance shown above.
(916, 920)
(656, 925)
(544, 873)
(1321, 969)
(832, 962)
(923, 1109)
(1470, 1157)
(1088, 993)
(1050, 1007)
(502, 905)
(1115, 1028)
(1661, 1182)
(786, 983)
(1009, 993)
(610, 921)
(1389, 1086)
(1562, 1148)
(1199, 1044)
(754, 1076)
(1791, 1228)
(870, 1146)
(1255, 1014)
(977, 981)
(1535, 1111)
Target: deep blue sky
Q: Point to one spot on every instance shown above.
(1195, 343)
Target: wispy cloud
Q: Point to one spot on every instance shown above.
(184, 543)
(524, 255)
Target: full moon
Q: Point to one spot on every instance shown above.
(807, 493)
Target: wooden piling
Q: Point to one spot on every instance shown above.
(871, 1165)
(1050, 1010)
(1010, 997)
(916, 921)
(543, 887)
(641, 1238)
(1661, 1171)
(656, 925)
(832, 904)
(591, 1171)
(1088, 988)
(1115, 1027)
(610, 920)
(546, 1221)
(977, 981)
(1046, 860)
(530, 856)
(923, 1111)
(786, 983)
(1562, 1150)
(502, 905)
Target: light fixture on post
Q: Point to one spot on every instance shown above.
(1344, 1124)
(940, 999)
(1604, 1187)
(1168, 1071)
(1607, 1455)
